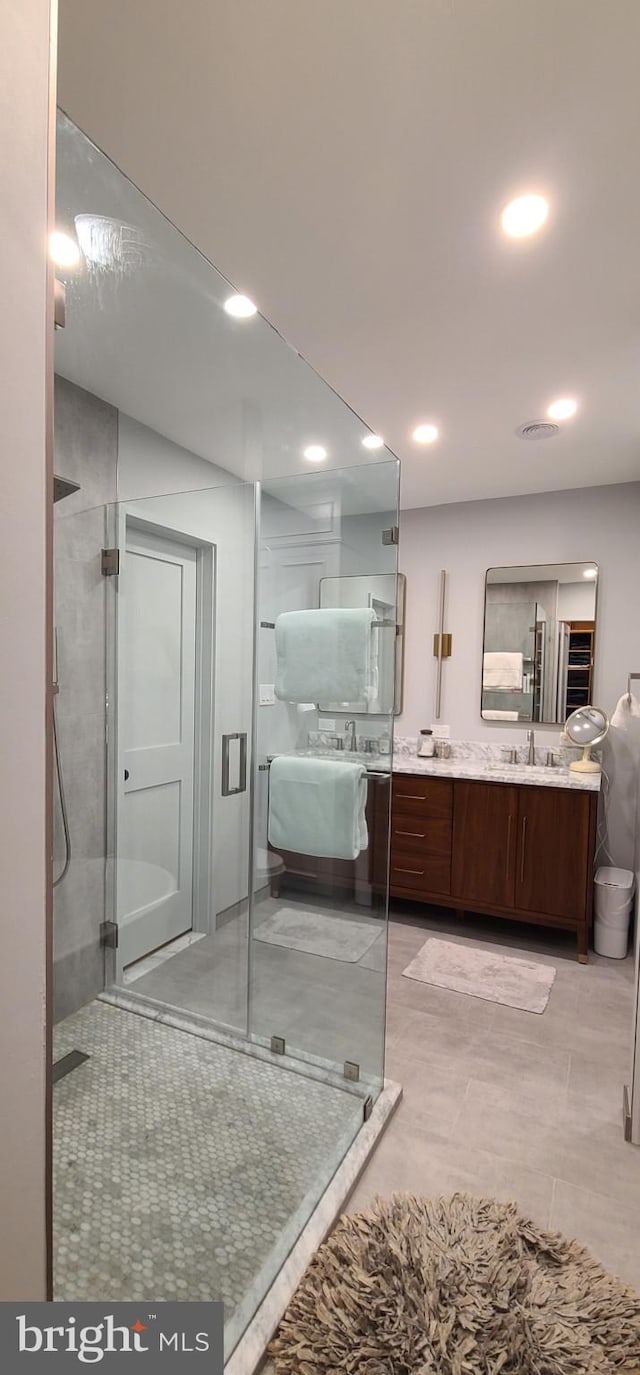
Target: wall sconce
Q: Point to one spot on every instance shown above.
(442, 645)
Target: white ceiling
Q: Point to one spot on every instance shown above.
(346, 163)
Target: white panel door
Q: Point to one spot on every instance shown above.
(156, 723)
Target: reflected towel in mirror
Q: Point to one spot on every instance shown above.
(502, 671)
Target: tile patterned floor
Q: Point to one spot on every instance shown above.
(511, 1103)
(178, 1164)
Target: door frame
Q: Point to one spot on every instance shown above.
(203, 876)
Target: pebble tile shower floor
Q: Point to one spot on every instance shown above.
(179, 1163)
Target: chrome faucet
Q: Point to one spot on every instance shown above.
(531, 741)
(351, 739)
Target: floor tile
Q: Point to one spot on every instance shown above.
(608, 1228)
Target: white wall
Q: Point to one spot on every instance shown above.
(601, 524)
(576, 601)
(150, 463)
(24, 75)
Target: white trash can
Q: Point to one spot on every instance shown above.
(613, 895)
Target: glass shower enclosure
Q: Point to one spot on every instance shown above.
(220, 938)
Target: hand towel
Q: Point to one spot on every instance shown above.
(626, 716)
(500, 715)
(502, 671)
(324, 655)
(317, 806)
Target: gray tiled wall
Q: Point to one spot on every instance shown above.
(86, 450)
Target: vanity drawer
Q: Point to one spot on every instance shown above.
(421, 833)
(430, 798)
(425, 873)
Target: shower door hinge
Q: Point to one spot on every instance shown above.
(626, 1113)
(109, 934)
(367, 1108)
(391, 536)
(351, 1070)
(110, 563)
(277, 1045)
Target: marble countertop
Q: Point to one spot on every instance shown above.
(482, 770)
(536, 775)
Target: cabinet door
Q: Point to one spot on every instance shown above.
(553, 869)
(485, 819)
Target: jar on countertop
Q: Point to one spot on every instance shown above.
(426, 744)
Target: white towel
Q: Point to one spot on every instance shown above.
(626, 716)
(500, 715)
(502, 671)
(324, 655)
(317, 806)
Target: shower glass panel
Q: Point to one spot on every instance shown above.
(239, 979)
(319, 911)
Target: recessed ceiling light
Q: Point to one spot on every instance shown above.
(524, 216)
(315, 453)
(562, 409)
(240, 307)
(373, 441)
(63, 249)
(425, 434)
(589, 572)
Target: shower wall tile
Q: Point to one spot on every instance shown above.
(86, 450)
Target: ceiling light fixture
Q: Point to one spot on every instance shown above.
(562, 409)
(589, 572)
(63, 249)
(373, 441)
(425, 434)
(315, 453)
(524, 216)
(241, 307)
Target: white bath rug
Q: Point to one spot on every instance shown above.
(319, 933)
(483, 974)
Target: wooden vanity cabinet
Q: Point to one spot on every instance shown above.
(485, 831)
(520, 852)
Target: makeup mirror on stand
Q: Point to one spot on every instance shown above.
(586, 727)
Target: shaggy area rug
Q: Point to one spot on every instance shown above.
(457, 1286)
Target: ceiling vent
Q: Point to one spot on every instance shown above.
(538, 429)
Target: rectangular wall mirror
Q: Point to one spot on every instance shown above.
(539, 641)
(384, 594)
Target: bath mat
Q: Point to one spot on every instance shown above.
(317, 933)
(483, 974)
(462, 1286)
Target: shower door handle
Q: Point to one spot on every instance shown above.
(227, 790)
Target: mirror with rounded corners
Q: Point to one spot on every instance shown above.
(539, 641)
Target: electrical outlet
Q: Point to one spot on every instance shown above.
(327, 724)
(441, 732)
(267, 695)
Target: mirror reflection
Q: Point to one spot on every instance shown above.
(539, 641)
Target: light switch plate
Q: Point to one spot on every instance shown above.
(267, 695)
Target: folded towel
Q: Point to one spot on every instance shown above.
(317, 806)
(324, 655)
(502, 671)
(500, 715)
